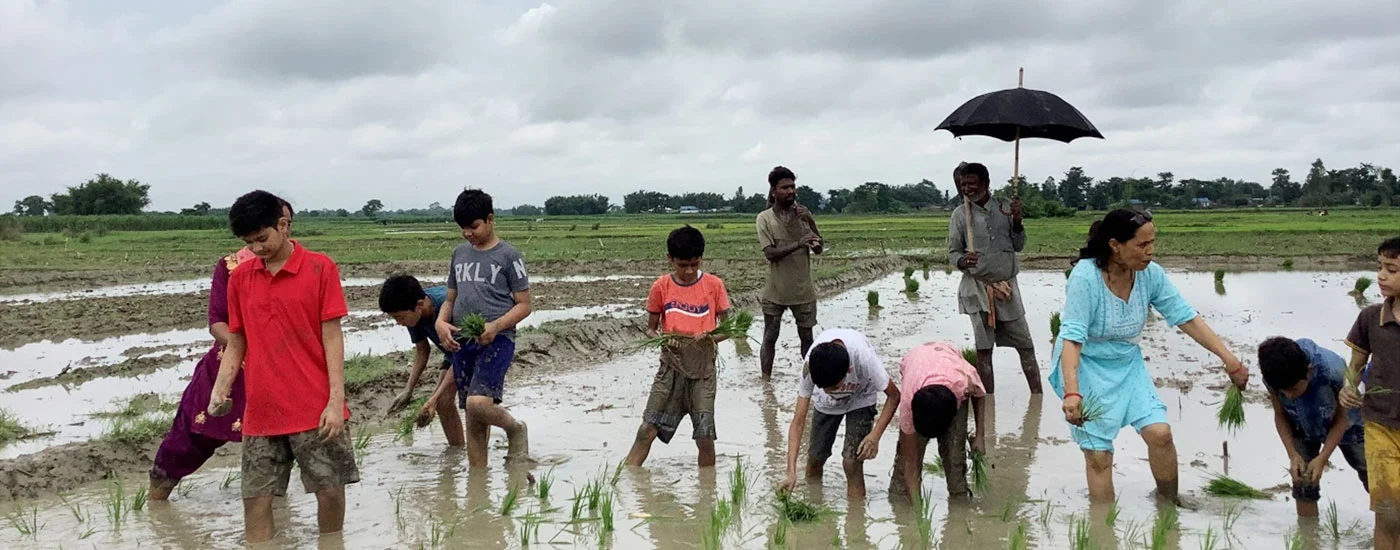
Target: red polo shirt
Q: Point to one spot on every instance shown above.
(284, 370)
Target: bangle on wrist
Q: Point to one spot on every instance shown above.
(1074, 394)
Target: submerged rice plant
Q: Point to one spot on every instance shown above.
(1020, 539)
(1293, 540)
(1224, 486)
(1210, 540)
(1080, 536)
(26, 524)
(738, 485)
(911, 286)
(925, 519)
(1362, 285)
(1113, 512)
(1220, 275)
(138, 500)
(908, 271)
(546, 482)
(116, 504)
(796, 510)
(1231, 415)
(979, 472)
(873, 298)
(1165, 524)
(512, 498)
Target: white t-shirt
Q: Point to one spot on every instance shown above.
(863, 384)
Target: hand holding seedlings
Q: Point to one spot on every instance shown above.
(446, 332)
(1350, 398)
(1071, 407)
(1239, 375)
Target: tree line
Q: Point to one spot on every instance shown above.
(1363, 185)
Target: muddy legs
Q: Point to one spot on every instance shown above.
(855, 478)
(1388, 530)
(1030, 368)
(772, 327)
(482, 413)
(257, 519)
(1098, 467)
(641, 445)
(451, 421)
(706, 450)
(1161, 455)
(985, 371)
(330, 510)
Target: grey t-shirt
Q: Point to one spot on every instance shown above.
(485, 281)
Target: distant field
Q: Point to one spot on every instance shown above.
(1280, 233)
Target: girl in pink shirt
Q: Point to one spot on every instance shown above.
(935, 385)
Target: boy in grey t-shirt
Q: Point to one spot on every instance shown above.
(487, 277)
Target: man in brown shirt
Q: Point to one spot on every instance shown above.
(788, 235)
(1375, 337)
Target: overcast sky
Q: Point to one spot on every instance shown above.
(334, 103)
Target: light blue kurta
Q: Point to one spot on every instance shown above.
(1112, 374)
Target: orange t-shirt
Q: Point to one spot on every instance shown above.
(284, 370)
(688, 309)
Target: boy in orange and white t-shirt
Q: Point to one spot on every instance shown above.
(936, 384)
(692, 303)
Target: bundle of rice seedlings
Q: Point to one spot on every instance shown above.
(413, 418)
(970, 355)
(1370, 389)
(734, 327)
(908, 272)
(935, 467)
(1362, 285)
(471, 328)
(911, 286)
(1224, 486)
(1231, 416)
(795, 510)
(979, 472)
(1220, 275)
(1090, 409)
(1054, 325)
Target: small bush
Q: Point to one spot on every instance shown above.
(713, 225)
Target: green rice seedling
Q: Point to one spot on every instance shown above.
(617, 470)
(935, 467)
(27, 524)
(1132, 533)
(780, 533)
(1231, 415)
(979, 472)
(1046, 513)
(116, 504)
(1054, 325)
(1287, 265)
(1349, 377)
(605, 512)
(1165, 524)
(576, 511)
(1210, 540)
(738, 485)
(1232, 514)
(908, 272)
(1220, 275)
(594, 492)
(798, 511)
(1008, 510)
(1293, 540)
(1113, 512)
(947, 269)
(138, 500)
(397, 495)
(1080, 537)
(721, 517)
(512, 498)
(362, 438)
(925, 519)
(1068, 270)
(1224, 486)
(872, 297)
(1362, 285)
(545, 484)
(1334, 523)
(186, 487)
(471, 328)
(530, 528)
(74, 508)
(229, 478)
(734, 327)
(88, 533)
(1020, 538)
(970, 355)
(11, 429)
(1090, 409)
(911, 286)
(439, 532)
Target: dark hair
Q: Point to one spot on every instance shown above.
(1118, 225)
(253, 212)
(1283, 362)
(685, 243)
(827, 364)
(400, 293)
(977, 169)
(933, 408)
(1390, 248)
(472, 205)
(780, 173)
(291, 212)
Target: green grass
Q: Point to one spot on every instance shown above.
(11, 429)
(1224, 486)
(138, 431)
(1271, 232)
(362, 369)
(1231, 415)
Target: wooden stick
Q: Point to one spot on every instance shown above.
(967, 209)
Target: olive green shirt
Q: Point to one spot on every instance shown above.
(789, 279)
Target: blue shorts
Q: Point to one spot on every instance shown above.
(482, 370)
(1144, 410)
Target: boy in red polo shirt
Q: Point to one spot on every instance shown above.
(284, 308)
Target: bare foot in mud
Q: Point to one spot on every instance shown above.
(518, 442)
(1179, 501)
(158, 494)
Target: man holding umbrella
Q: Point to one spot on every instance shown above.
(983, 239)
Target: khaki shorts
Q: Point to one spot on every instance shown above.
(1008, 334)
(1383, 467)
(267, 463)
(673, 397)
(804, 314)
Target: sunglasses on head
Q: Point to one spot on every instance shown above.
(1141, 218)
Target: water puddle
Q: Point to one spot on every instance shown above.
(417, 494)
(188, 286)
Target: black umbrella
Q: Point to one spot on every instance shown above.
(1010, 115)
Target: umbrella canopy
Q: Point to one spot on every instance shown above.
(1034, 113)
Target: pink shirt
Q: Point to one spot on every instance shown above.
(934, 363)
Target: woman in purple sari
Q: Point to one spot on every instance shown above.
(195, 435)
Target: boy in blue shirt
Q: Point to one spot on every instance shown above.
(1304, 382)
(404, 299)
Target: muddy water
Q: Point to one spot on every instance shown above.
(415, 493)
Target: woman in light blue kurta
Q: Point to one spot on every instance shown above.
(1098, 366)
